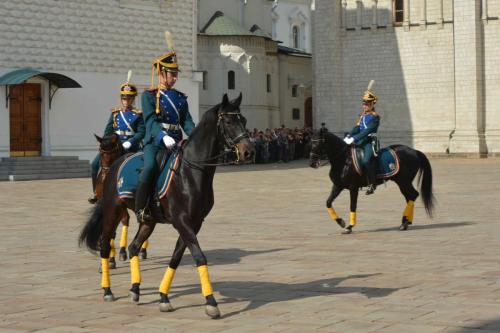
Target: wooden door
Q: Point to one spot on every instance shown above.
(308, 119)
(25, 120)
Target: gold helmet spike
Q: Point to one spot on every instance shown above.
(369, 96)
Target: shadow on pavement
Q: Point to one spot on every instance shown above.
(423, 227)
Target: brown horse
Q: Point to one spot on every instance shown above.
(110, 149)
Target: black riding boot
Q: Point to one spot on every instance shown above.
(372, 178)
(141, 200)
(93, 198)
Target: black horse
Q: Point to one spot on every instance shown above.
(345, 176)
(221, 132)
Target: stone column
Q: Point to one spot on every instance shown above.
(440, 20)
(406, 15)
(359, 14)
(468, 136)
(374, 15)
(423, 14)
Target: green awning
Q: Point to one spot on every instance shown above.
(21, 75)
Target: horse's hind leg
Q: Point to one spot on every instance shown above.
(353, 206)
(410, 194)
(143, 253)
(123, 238)
(111, 220)
(166, 282)
(145, 230)
(333, 214)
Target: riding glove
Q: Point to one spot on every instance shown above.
(349, 140)
(126, 145)
(168, 141)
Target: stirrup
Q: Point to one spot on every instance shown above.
(92, 200)
(143, 216)
(371, 189)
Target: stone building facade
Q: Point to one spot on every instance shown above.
(435, 63)
(95, 43)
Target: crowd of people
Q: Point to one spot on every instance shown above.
(281, 144)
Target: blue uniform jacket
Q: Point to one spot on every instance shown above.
(174, 110)
(116, 124)
(368, 123)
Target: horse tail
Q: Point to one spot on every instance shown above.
(425, 180)
(92, 230)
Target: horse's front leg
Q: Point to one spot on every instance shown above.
(333, 214)
(352, 215)
(166, 282)
(145, 230)
(188, 235)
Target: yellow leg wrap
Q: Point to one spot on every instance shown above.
(145, 244)
(135, 271)
(105, 283)
(332, 213)
(206, 286)
(112, 253)
(167, 280)
(123, 238)
(409, 210)
(352, 218)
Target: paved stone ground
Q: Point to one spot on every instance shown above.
(277, 262)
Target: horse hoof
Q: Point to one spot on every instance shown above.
(340, 222)
(403, 227)
(108, 295)
(133, 297)
(123, 254)
(212, 311)
(347, 231)
(166, 307)
(112, 263)
(143, 254)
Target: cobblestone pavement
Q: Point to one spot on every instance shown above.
(278, 264)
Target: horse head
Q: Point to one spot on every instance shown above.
(110, 149)
(318, 150)
(231, 128)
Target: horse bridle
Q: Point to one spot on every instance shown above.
(321, 141)
(229, 145)
(116, 149)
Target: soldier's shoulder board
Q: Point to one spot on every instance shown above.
(113, 110)
(137, 111)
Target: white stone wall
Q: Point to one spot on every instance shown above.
(429, 77)
(94, 42)
(250, 59)
(294, 71)
(294, 12)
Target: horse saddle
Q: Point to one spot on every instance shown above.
(129, 173)
(387, 162)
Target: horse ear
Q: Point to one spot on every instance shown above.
(98, 138)
(237, 101)
(225, 100)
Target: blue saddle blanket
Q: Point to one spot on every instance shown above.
(387, 163)
(130, 171)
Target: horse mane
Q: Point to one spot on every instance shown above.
(209, 117)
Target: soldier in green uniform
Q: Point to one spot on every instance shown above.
(127, 122)
(362, 135)
(166, 111)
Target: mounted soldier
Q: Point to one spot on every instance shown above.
(364, 135)
(127, 122)
(166, 111)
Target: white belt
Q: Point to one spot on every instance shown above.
(124, 132)
(171, 127)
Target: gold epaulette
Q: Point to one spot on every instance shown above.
(113, 110)
(136, 111)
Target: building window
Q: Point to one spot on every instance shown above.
(268, 82)
(205, 80)
(398, 10)
(296, 36)
(230, 80)
(295, 90)
(296, 114)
